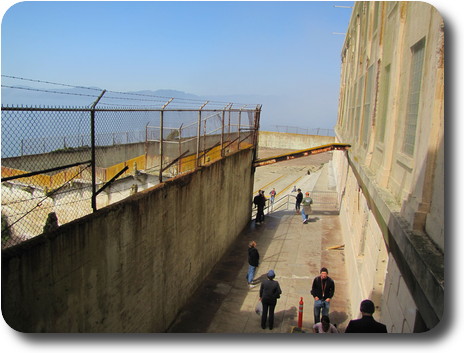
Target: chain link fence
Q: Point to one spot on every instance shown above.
(59, 164)
(304, 131)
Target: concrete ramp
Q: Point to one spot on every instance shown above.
(295, 251)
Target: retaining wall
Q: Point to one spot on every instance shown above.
(292, 141)
(130, 266)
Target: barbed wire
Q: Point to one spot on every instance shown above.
(48, 91)
(49, 82)
(161, 99)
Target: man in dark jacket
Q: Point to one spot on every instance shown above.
(253, 262)
(322, 290)
(366, 324)
(259, 202)
(268, 294)
(299, 198)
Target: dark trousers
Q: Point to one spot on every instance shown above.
(268, 307)
(260, 214)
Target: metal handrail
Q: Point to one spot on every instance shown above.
(270, 206)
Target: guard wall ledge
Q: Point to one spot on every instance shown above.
(420, 261)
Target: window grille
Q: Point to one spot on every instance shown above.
(384, 101)
(415, 81)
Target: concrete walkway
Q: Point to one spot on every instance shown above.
(295, 251)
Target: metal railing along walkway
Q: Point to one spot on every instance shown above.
(323, 201)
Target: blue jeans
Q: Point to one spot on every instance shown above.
(251, 273)
(318, 305)
(304, 216)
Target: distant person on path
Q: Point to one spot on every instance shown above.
(269, 292)
(306, 211)
(322, 290)
(259, 201)
(273, 194)
(294, 189)
(324, 326)
(299, 198)
(253, 262)
(366, 324)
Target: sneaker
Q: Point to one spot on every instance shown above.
(252, 286)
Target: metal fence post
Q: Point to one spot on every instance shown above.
(179, 163)
(238, 128)
(199, 134)
(162, 138)
(93, 163)
(223, 116)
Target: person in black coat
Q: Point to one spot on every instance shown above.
(366, 324)
(253, 262)
(268, 294)
(322, 290)
(260, 202)
(299, 198)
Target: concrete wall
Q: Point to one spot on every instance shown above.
(130, 266)
(394, 180)
(292, 141)
(107, 156)
(366, 254)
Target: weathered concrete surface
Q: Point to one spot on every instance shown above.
(131, 266)
(292, 141)
(295, 251)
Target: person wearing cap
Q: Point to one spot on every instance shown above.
(305, 212)
(366, 324)
(269, 292)
(322, 290)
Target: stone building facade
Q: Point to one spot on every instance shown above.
(391, 181)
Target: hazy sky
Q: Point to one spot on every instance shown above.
(283, 55)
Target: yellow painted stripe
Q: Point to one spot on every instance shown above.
(292, 183)
(263, 187)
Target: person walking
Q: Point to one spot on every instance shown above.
(253, 263)
(324, 326)
(323, 289)
(366, 324)
(259, 201)
(262, 204)
(306, 211)
(299, 198)
(269, 292)
(273, 194)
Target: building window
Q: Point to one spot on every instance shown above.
(384, 104)
(376, 15)
(358, 108)
(415, 80)
(367, 106)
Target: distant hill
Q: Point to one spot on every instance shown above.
(276, 109)
(31, 96)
